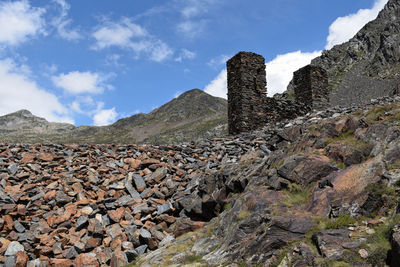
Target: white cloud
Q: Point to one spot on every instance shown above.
(279, 73)
(19, 21)
(88, 106)
(113, 60)
(76, 107)
(104, 117)
(191, 28)
(218, 87)
(344, 28)
(48, 70)
(83, 105)
(280, 69)
(18, 91)
(159, 51)
(185, 54)
(118, 34)
(130, 36)
(218, 61)
(195, 8)
(193, 14)
(62, 22)
(76, 82)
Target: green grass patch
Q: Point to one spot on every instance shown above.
(341, 221)
(190, 259)
(339, 264)
(377, 112)
(296, 195)
(348, 139)
(227, 206)
(243, 214)
(378, 244)
(314, 130)
(380, 189)
(393, 166)
(338, 164)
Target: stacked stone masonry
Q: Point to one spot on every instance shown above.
(249, 108)
(246, 94)
(311, 86)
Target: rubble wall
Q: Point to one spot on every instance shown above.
(249, 108)
(310, 85)
(247, 92)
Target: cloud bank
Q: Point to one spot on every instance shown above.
(18, 91)
(104, 117)
(280, 69)
(76, 82)
(344, 28)
(19, 21)
(62, 23)
(130, 36)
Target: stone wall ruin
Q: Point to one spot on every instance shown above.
(310, 85)
(246, 92)
(249, 108)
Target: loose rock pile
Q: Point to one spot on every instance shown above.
(101, 205)
(80, 204)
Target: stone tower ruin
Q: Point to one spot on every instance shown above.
(249, 108)
(310, 85)
(246, 92)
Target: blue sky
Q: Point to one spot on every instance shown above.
(92, 62)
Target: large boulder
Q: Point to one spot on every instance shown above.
(304, 170)
(330, 242)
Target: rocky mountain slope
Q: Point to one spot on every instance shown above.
(368, 65)
(320, 190)
(191, 116)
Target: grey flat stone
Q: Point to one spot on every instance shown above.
(19, 227)
(132, 191)
(13, 248)
(164, 208)
(141, 250)
(144, 233)
(139, 182)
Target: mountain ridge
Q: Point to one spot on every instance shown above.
(368, 65)
(193, 115)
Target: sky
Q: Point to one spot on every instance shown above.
(93, 62)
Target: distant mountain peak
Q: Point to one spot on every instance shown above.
(191, 116)
(193, 91)
(23, 112)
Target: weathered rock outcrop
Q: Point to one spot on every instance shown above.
(295, 202)
(368, 65)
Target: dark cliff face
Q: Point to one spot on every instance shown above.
(377, 43)
(368, 65)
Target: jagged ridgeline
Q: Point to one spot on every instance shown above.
(367, 66)
(191, 116)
